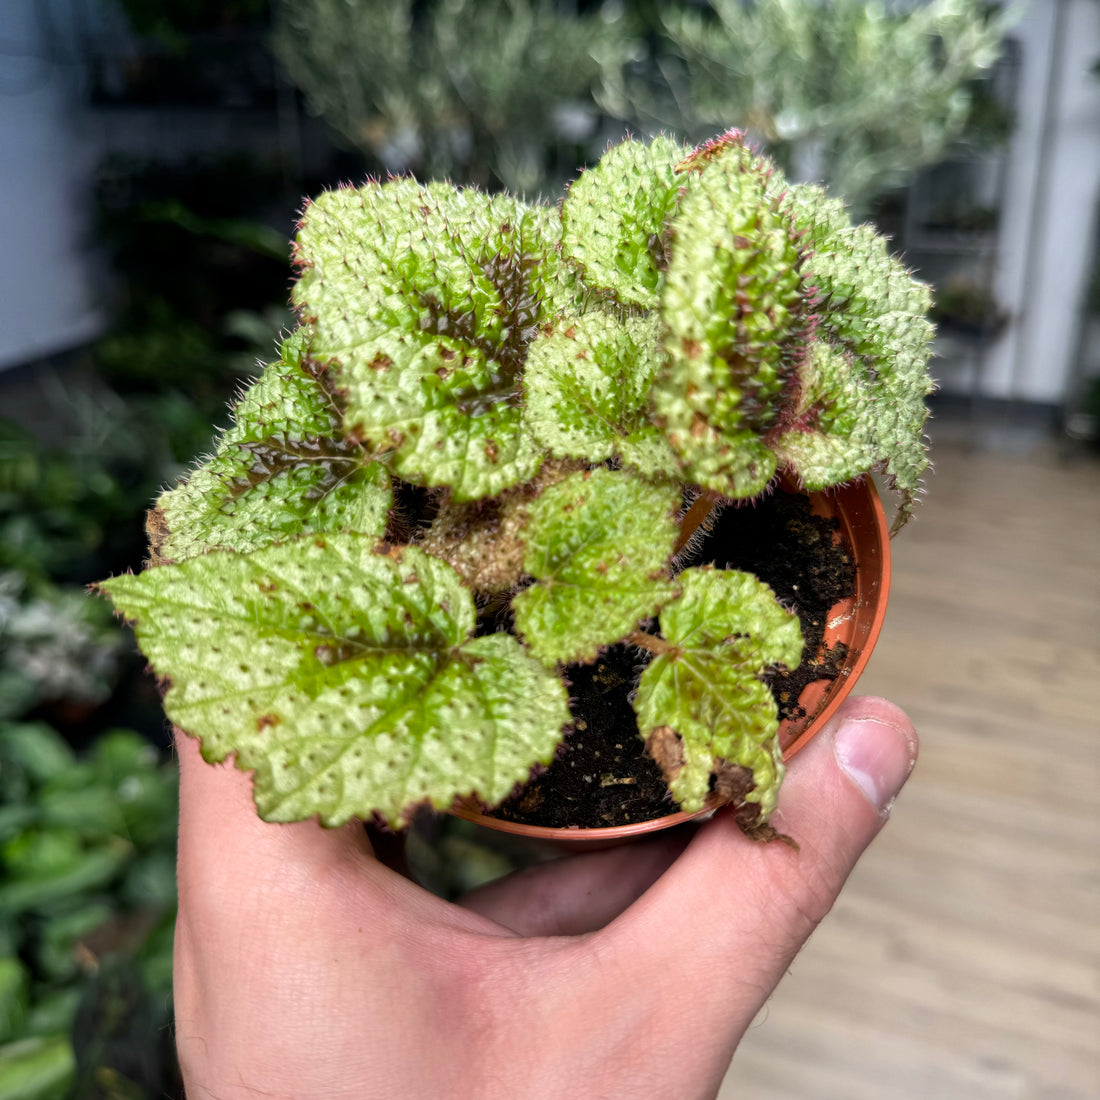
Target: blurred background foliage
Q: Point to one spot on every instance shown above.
(480, 92)
(510, 94)
(858, 94)
(516, 93)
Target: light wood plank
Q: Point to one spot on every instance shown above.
(963, 960)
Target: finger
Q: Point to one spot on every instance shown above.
(746, 907)
(217, 814)
(233, 867)
(577, 894)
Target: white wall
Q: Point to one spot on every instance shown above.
(1042, 275)
(48, 278)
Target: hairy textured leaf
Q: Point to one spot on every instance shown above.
(476, 443)
(598, 544)
(614, 219)
(724, 629)
(873, 310)
(284, 468)
(587, 385)
(832, 438)
(425, 300)
(734, 314)
(560, 384)
(345, 679)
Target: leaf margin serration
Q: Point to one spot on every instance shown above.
(302, 678)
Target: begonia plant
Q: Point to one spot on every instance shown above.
(469, 467)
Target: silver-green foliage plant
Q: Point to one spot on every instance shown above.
(54, 645)
(469, 90)
(858, 93)
(469, 466)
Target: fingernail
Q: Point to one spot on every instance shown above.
(877, 756)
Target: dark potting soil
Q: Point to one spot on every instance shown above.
(602, 775)
(805, 562)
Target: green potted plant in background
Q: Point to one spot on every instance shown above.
(486, 92)
(477, 467)
(858, 94)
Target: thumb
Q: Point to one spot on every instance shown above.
(721, 926)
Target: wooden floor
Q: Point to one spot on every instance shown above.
(963, 960)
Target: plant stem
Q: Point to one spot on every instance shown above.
(696, 516)
(657, 646)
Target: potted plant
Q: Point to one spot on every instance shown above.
(488, 458)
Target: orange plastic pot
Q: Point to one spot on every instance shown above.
(855, 621)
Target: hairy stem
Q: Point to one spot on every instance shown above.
(651, 642)
(696, 516)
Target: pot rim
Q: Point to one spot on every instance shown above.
(858, 506)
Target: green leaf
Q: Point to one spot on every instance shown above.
(871, 309)
(425, 300)
(587, 385)
(53, 1013)
(94, 869)
(345, 678)
(598, 544)
(40, 853)
(614, 219)
(285, 467)
(729, 609)
(14, 986)
(40, 1068)
(34, 749)
(832, 439)
(735, 321)
(442, 418)
(722, 632)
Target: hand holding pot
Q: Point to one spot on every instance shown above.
(307, 969)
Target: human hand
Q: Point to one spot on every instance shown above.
(305, 968)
